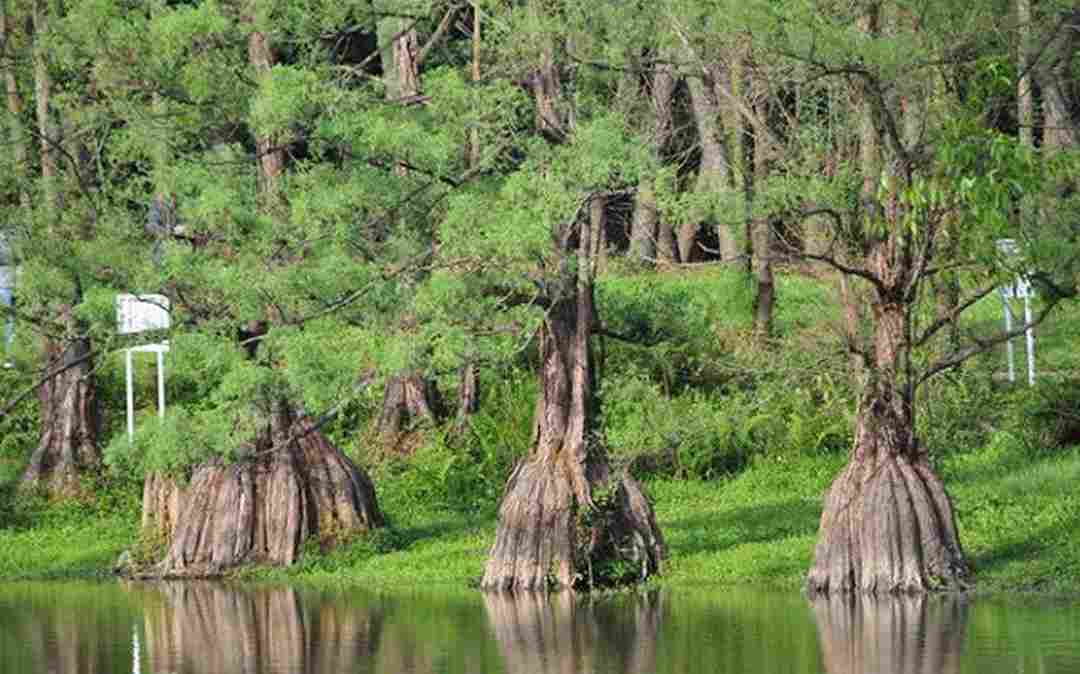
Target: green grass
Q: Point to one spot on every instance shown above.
(74, 539)
(1019, 520)
(769, 428)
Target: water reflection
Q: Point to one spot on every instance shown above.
(203, 628)
(893, 635)
(564, 634)
(64, 628)
(207, 627)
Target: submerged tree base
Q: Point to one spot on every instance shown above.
(887, 528)
(549, 538)
(261, 509)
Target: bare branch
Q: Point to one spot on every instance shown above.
(982, 345)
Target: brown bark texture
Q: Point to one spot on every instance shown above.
(70, 422)
(650, 238)
(271, 158)
(401, 70)
(565, 520)
(894, 635)
(888, 525)
(408, 399)
(294, 485)
(468, 396)
(14, 107)
(714, 174)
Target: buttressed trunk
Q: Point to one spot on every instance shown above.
(408, 398)
(564, 516)
(290, 485)
(293, 485)
(888, 524)
(68, 446)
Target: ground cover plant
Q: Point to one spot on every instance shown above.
(734, 446)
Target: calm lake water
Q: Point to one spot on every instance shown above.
(204, 628)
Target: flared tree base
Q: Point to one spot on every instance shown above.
(548, 539)
(261, 509)
(887, 528)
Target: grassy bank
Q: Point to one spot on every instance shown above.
(1019, 518)
(737, 442)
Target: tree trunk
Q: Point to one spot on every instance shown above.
(564, 517)
(399, 44)
(468, 396)
(762, 233)
(260, 510)
(408, 399)
(598, 226)
(47, 132)
(888, 525)
(271, 159)
(19, 147)
(647, 242)
(291, 484)
(68, 446)
(714, 174)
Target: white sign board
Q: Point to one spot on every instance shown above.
(139, 313)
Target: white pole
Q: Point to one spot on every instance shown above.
(1029, 334)
(1009, 343)
(136, 665)
(130, 397)
(161, 384)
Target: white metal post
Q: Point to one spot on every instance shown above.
(129, 377)
(1029, 335)
(161, 384)
(1009, 343)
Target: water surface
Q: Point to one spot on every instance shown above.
(209, 628)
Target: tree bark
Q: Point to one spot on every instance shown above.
(650, 238)
(293, 485)
(714, 173)
(400, 45)
(762, 229)
(408, 399)
(468, 396)
(70, 422)
(271, 159)
(598, 226)
(888, 525)
(564, 516)
(290, 485)
(49, 136)
(15, 107)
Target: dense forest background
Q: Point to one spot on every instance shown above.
(413, 242)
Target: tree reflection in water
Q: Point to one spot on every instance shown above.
(566, 634)
(204, 628)
(892, 635)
